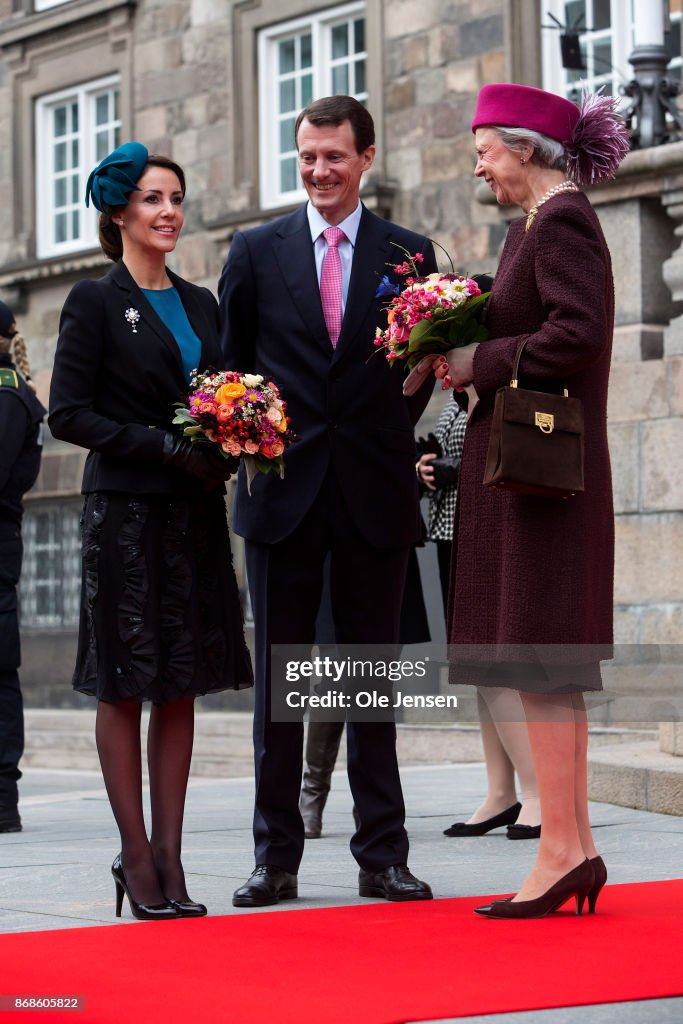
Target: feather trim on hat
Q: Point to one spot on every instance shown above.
(599, 142)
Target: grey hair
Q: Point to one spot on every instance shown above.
(547, 152)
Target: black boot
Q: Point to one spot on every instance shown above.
(322, 747)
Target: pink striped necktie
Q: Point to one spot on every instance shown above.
(331, 283)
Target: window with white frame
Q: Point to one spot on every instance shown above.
(75, 129)
(321, 55)
(51, 574)
(606, 39)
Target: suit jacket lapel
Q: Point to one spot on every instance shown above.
(293, 250)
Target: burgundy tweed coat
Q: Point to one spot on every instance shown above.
(536, 570)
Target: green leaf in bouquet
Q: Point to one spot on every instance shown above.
(194, 428)
(421, 329)
(182, 416)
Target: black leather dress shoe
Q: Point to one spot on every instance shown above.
(394, 883)
(266, 886)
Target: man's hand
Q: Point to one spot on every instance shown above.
(425, 471)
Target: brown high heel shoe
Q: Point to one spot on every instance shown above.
(578, 883)
(600, 872)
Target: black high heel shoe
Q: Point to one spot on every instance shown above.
(143, 911)
(578, 882)
(187, 908)
(507, 817)
(600, 872)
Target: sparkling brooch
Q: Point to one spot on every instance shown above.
(132, 316)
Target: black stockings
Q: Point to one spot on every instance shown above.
(152, 866)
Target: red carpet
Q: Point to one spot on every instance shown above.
(376, 964)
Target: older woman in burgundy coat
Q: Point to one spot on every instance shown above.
(532, 570)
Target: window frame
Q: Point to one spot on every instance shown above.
(85, 95)
(65, 546)
(320, 24)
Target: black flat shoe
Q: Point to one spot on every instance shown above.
(188, 908)
(394, 883)
(524, 831)
(143, 911)
(577, 883)
(508, 817)
(266, 886)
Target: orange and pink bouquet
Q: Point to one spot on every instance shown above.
(241, 414)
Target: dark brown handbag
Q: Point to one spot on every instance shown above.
(536, 442)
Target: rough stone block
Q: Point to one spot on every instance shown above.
(671, 738)
(665, 793)
(450, 119)
(636, 342)
(430, 86)
(463, 77)
(638, 391)
(210, 12)
(624, 446)
(444, 45)
(192, 257)
(661, 624)
(404, 15)
(675, 368)
(626, 625)
(438, 160)
(150, 125)
(407, 165)
(399, 94)
(493, 68)
(412, 127)
(649, 555)
(616, 784)
(662, 460)
(416, 53)
(482, 35)
(158, 55)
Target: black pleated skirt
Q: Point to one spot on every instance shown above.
(160, 611)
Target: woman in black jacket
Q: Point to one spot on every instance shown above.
(160, 611)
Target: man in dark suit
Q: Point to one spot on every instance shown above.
(299, 304)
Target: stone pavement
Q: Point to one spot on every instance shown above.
(55, 874)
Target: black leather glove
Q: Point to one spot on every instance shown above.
(446, 471)
(428, 445)
(199, 460)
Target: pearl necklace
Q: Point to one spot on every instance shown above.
(556, 190)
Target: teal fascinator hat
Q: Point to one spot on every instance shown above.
(115, 177)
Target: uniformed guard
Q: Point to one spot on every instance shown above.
(21, 439)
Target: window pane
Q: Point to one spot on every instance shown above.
(306, 90)
(60, 227)
(75, 190)
(288, 175)
(60, 156)
(306, 51)
(74, 153)
(575, 14)
(60, 192)
(287, 96)
(76, 224)
(101, 146)
(287, 135)
(286, 49)
(603, 57)
(117, 137)
(359, 35)
(672, 39)
(340, 41)
(117, 104)
(601, 14)
(340, 80)
(74, 118)
(360, 86)
(102, 109)
(59, 121)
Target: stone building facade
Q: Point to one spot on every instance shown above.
(216, 84)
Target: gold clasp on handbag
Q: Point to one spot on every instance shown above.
(546, 421)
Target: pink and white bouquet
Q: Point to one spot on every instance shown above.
(431, 315)
(241, 414)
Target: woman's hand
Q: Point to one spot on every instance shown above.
(425, 471)
(455, 369)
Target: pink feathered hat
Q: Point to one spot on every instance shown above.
(594, 135)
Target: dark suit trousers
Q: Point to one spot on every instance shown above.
(11, 707)
(285, 583)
